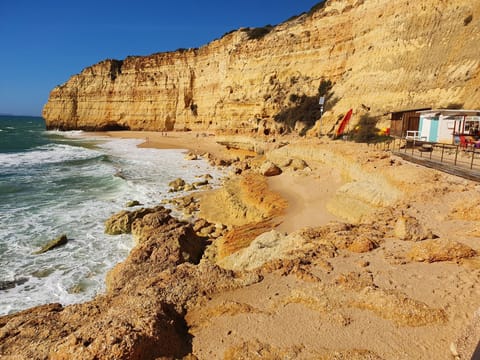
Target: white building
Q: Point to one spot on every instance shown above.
(446, 125)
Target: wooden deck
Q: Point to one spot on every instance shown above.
(457, 170)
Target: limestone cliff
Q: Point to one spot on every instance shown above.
(380, 54)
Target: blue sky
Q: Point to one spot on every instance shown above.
(43, 43)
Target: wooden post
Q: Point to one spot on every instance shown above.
(473, 156)
(456, 155)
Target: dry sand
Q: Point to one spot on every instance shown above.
(307, 194)
(194, 141)
(307, 197)
(350, 291)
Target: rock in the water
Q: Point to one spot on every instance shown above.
(177, 184)
(189, 187)
(121, 223)
(10, 284)
(132, 203)
(200, 183)
(191, 156)
(440, 250)
(59, 241)
(270, 169)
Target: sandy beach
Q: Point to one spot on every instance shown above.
(198, 142)
(341, 256)
(306, 207)
(422, 288)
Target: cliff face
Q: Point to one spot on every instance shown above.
(381, 54)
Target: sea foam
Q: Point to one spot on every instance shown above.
(67, 188)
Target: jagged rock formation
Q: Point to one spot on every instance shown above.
(380, 55)
(309, 294)
(138, 318)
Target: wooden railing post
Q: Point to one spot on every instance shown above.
(473, 156)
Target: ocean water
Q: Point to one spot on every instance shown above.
(54, 183)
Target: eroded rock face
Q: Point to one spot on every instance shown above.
(392, 55)
(140, 316)
(163, 242)
(121, 223)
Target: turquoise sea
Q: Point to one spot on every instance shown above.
(54, 183)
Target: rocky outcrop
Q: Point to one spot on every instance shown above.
(140, 316)
(438, 250)
(307, 294)
(380, 55)
(53, 244)
(364, 190)
(270, 169)
(121, 223)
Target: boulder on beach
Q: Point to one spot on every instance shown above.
(177, 185)
(409, 228)
(270, 169)
(59, 241)
(362, 245)
(440, 250)
(298, 164)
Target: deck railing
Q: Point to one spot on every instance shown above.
(415, 136)
(467, 157)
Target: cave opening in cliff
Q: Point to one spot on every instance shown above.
(114, 127)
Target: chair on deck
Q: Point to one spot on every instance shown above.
(464, 142)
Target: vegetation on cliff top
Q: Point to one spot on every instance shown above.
(258, 33)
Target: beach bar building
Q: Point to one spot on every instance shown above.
(447, 125)
(403, 121)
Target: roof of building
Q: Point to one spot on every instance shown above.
(408, 110)
(449, 112)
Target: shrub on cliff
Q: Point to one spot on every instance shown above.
(316, 7)
(366, 129)
(258, 33)
(306, 108)
(325, 88)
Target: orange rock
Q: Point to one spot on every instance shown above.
(361, 245)
(440, 250)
